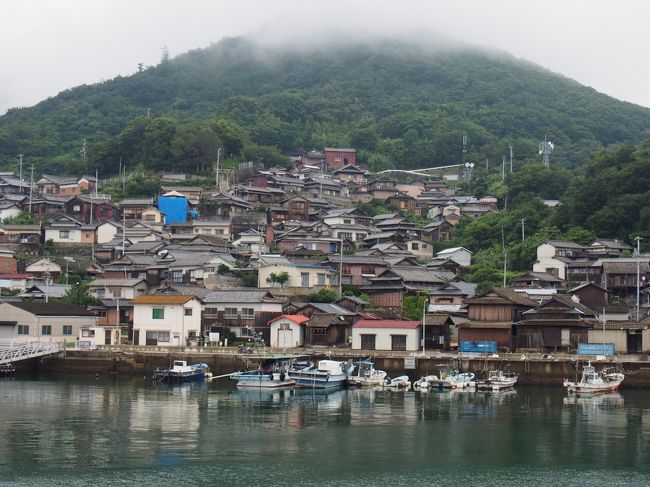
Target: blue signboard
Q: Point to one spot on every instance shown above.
(596, 349)
(467, 346)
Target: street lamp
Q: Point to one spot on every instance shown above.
(67, 261)
(468, 170)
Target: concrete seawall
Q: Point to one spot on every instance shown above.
(531, 371)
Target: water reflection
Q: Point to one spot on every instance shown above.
(81, 425)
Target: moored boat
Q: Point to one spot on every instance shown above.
(181, 372)
(367, 375)
(401, 382)
(453, 379)
(328, 374)
(273, 372)
(497, 380)
(425, 382)
(592, 382)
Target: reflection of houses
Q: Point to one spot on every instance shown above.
(396, 335)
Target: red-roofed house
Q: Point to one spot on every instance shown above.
(287, 331)
(398, 335)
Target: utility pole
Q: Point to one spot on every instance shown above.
(217, 169)
(503, 169)
(424, 329)
(638, 274)
(511, 155)
(84, 150)
(96, 181)
(123, 178)
(20, 174)
(505, 255)
(523, 235)
(31, 189)
(341, 268)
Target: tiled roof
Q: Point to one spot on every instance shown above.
(239, 296)
(486, 324)
(163, 299)
(299, 319)
(53, 309)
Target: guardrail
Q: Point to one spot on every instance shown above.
(13, 351)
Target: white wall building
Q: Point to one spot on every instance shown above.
(169, 320)
(460, 255)
(397, 335)
(288, 331)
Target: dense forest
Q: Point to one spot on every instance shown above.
(400, 104)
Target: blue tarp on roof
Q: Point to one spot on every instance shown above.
(174, 208)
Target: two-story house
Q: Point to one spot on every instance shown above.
(170, 320)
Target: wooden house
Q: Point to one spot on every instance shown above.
(491, 316)
(337, 157)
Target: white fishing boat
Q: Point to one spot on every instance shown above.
(425, 382)
(328, 374)
(367, 375)
(401, 382)
(273, 372)
(497, 380)
(453, 379)
(592, 382)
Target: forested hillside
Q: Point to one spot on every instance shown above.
(400, 104)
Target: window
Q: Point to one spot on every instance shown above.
(321, 279)
(67, 329)
(368, 342)
(304, 279)
(150, 218)
(13, 237)
(398, 342)
(116, 292)
(211, 312)
(87, 333)
(347, 221)
(163, 336)
(347, 235)
(188, 311)
(46, 330)
(64, 234)
(101, 313)
(230, 313)
(158, 313)
(177, 276)
(101, 293)
(248, 313)
(415, 246)
(76, 208)
(23, 329)
(153, 337)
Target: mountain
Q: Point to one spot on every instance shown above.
(400, 103)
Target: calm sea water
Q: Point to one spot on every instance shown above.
(119, 431)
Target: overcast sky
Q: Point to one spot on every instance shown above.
(50, 45)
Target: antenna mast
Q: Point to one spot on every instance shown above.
(545, 149)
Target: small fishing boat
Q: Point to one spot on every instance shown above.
(453, 379)
(328, 374)
(592, 382)
(425, 382)
(367, 375)
(273, 372)
(181, 372)
(497, 380)
(401, 382)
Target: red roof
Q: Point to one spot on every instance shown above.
(403, 324)
(298, 319)
(15, 276)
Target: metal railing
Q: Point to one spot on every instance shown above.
(13, 351)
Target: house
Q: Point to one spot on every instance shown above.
(225, 205)
(42, 291)
(88, 210)
(64, 229)
(302, 278)
(345, 216)
(287, 331)
(553, 256)
(9, 209)
(237, 310)
(8, 263)
(46, 206)
(395, 335)
(538, 280)
(439, 331)
(11, 184)
(402, 201)
(419, 248)
(153, 217)
(218, 228)
(603, 247)
(558, 324)
(15, 282)
(24, 234)
(350, 173)
(170, 320)
(329, 324)
(118, 313)
(293, 208)
(491, 316)
(356, 270)
(626, 335)
(192, 193)
(258, 196)
(117, 288)
(44, 268)
(320, 186)
(35, 321)
(619, 277)
(352, 303)
(339, 157)
(458, 254)
(441, 228)
(591, 295)
(132, 208)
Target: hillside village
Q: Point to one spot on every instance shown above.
(291, 255)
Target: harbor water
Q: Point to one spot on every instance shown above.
(122, 431)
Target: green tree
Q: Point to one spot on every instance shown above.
(323, 295)
(280, 278)
(78, 294)
(22, 218)
(412, 307)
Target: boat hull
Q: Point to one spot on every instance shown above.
(178, 377)
(496, 385)
(319, 380)
(262, 381)
(578, 388)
